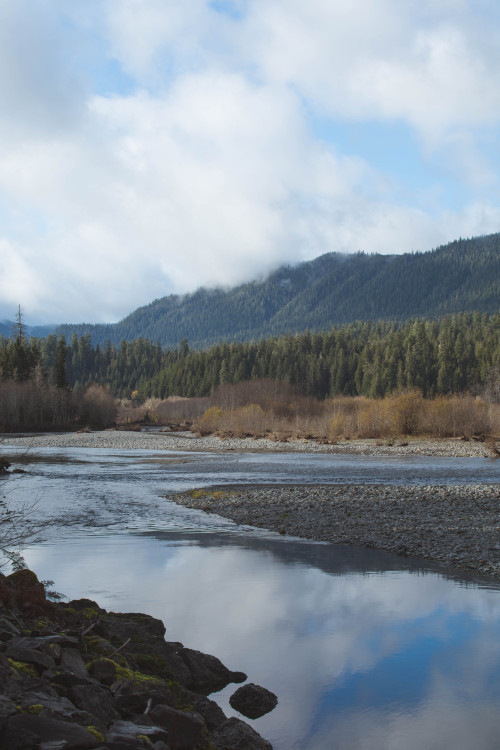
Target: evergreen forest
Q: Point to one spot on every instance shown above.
(456, 354)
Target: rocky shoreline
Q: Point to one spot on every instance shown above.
(458, 526)
(187, 441)
(75, 677)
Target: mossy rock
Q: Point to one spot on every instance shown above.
(22, 668)
(23, 578)
(41, 626)
(97, 645)
(153, 665)
(69, 610)
(35, 709)
(138, 678)
(125, 673)
(95, 733)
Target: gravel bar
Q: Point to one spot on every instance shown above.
(186, 441)
(457, 525)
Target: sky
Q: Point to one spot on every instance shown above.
(149, 147)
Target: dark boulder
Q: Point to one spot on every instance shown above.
(253, 701)
(7, 708)
(184, 728)
(80, 677)
(72, 659)
(125, 731)
(44, 643)
(26, 594)
(125, 625)
(24, 730)
(207, 673)
(40, 661)
(131, 700)
(103, 670)
(210, 710)
(236, 735)
(36, 701)
(96, 700)
(7, 629)
(61, 677)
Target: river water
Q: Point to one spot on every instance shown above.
(365, 650)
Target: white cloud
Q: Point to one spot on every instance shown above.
(154, 39)
(39, 94)
(381, 59)
(203, 184)
(208, 171)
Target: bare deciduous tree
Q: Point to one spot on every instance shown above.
(19, 524)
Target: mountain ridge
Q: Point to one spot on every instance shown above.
(332, 289)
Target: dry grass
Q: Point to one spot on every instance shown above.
(395, 417)
(267, 408)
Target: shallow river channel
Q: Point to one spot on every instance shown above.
(365, 650)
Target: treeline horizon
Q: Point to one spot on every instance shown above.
(36, 396)
(457, 354)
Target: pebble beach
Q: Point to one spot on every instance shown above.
(458, 526)
(186, 441)
(455, 525)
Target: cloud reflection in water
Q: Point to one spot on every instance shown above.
(358, 659)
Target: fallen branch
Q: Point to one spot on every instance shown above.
(119, 649)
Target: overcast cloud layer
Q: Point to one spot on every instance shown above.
(151, 146)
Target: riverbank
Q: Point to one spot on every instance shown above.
(455, 525)
(458, 526)
(187, 441)
(75, 676)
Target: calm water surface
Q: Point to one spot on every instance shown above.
(365, 650)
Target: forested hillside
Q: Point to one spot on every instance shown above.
(456, 354)
(334, 289)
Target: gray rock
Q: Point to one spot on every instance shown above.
(207, 673)
(103, 670)
(253, 701)
(66, 678)
(128, 731)
(57, 705)
(43, 642)
(184, 728)
(72, 659)
(6, 626)
(7, 708)
(24, 731)
(40, 661)
(97, 701)
(131, 700)
(236, 735)
(210, 710)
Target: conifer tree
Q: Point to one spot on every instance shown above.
(60, 365)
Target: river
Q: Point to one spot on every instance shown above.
(364, 649)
